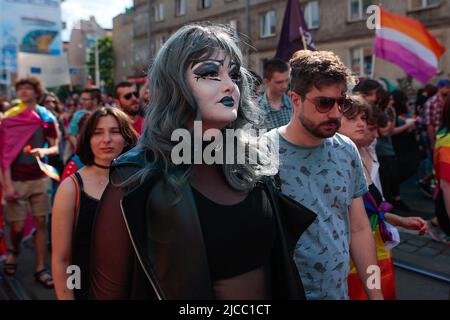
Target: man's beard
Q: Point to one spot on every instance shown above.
(131, 112)
(316, 129)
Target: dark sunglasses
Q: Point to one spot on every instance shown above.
(50, 101)
(325, 104)
(130, 94)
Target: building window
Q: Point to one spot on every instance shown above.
(361, 61)
(358, 9)
(180, 7)
(423, 4)
(268, 24)
(158, 11)
(311, 13)
(204, 4)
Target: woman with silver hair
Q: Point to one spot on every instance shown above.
(171, 229)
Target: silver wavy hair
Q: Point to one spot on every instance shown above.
(172, 104)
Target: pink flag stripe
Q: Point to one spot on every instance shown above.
(410, 43)
(412, 64)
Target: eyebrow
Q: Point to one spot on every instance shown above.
(221, 62)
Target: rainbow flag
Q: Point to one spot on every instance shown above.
(406, 118)
(407, 43)
(17, 128)
(48, 170)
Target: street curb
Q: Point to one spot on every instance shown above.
(432, 260)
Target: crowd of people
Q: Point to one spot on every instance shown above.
(307, 220)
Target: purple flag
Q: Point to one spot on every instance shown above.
(294, 33)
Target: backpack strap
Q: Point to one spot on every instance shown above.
(78, 183)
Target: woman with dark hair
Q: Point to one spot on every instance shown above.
(191, 229)
(106, 134)
(441, 161)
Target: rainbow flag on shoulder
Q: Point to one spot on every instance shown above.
(408, 44)
(17, 127)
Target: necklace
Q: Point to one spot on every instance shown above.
(100, 166)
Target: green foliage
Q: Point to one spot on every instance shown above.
(106, 62)
(63, 92)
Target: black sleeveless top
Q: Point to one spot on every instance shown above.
(82, 240)
(238, 238)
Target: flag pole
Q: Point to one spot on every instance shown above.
(302, 36)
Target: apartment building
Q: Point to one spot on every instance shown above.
(336, 25)
(82, 40)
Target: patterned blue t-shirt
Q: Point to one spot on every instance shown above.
(324, 179)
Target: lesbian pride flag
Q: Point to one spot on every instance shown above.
(407, 43)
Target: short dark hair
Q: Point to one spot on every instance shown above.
(123, 84)
(274, 65)
(84, 150)
(367, 85)
(32, 81)
(88, 91)
(94, 94)
(314, 69)
(97, 95)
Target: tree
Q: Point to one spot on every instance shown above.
(106, 62)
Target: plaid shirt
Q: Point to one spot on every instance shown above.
(276, 118)
(433, 110)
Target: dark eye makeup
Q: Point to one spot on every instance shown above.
(207, 71)
(210, 71)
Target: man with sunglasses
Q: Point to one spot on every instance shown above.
(126, 97)
(323, 171)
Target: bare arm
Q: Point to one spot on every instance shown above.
(362, 246)
(10, 192)
(50, 151)
(410, 223)
(62, 229)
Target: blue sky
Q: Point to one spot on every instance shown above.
(103, 11)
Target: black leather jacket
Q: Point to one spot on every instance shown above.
(168, 259)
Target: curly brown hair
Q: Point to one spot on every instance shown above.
(315, 69)
(32, 81)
